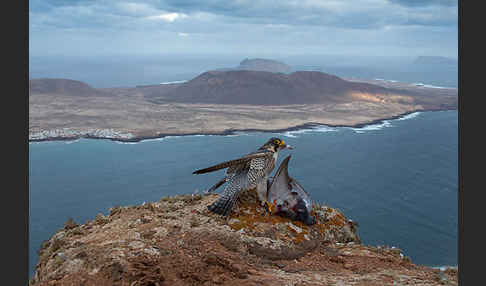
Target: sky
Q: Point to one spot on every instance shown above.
(270, 27)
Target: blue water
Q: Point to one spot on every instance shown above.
(131, 70)
(398, 180)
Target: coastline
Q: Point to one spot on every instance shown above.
(227, 132)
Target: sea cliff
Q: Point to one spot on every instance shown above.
(176, 241)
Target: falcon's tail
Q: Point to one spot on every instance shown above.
(224, 204)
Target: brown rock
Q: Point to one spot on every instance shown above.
(249, 247)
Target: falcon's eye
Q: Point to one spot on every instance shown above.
(278, 142)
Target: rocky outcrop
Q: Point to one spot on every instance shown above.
(176, 241)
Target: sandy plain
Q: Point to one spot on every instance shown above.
(129, 111)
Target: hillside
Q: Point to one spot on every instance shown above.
(265, 88)
(176, 241)
(62, 86)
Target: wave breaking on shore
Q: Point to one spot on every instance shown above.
(291, 133)
(316, 129)
(175, 81)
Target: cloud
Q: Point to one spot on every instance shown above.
(134, 9)
(350, 14)
(354, 14)
(168, 17)
(297, 25)
(417, 3)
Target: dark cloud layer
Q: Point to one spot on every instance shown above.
(47, 5)
(346, 14)
(366, 14)
(246, 24)
(418, 3)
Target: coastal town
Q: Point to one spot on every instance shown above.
(68, 134)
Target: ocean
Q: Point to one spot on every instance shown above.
(131, 70)
(398, 179)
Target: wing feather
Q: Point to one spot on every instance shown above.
(236, 162)
(296, 187)
(282, 185)
(279, 186)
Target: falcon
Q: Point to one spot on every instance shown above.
(245, 173)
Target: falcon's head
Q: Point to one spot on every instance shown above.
(275, 144)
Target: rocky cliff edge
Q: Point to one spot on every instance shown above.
(176, 241)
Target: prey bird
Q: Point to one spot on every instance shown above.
(245, 173)
(286, 197)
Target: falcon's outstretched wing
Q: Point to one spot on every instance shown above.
(236, 162)
(279, 187)
(296, 187)
(286, 196)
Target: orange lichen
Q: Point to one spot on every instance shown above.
(248, 214)
(337, 220)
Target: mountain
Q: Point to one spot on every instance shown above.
(260, 65)
(266, 88)
(435, 60)
(61, 86)
(264, 65)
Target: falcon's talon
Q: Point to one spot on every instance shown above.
(267, 207)
(270, 207)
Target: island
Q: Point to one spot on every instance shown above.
(222, 102)
(259, 64)
(434, 60)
